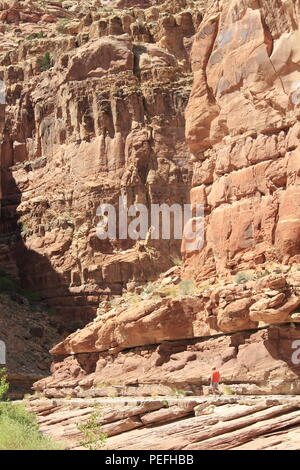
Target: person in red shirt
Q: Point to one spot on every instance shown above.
(215, 380)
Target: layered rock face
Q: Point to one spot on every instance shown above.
(189, 424)
(157, 342)
(230, 308)
(243, 129)
(242, 311)
(252, 363)
(95, 110)
(95, 100)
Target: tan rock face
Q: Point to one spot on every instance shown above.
(102, 56)
(190, 423)
(251, 363)
(188, 334)
(92, 103)
(142, 319)
(242, 127)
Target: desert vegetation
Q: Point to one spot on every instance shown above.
(18, 427)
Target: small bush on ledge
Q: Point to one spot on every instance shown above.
(46, 62)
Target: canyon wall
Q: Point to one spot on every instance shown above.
(243, 130)
(162, 103)
(95, 100)
(241, 309)
(92, 100)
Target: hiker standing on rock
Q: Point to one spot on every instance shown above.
(214, 381)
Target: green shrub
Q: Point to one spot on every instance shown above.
(23, 226)
(102, 384)
(62, 24)
(4, 385)
(94, 438)
(46, 62)
(178, 393)
(187, 287)
(33, 297)
(18, 414)
(171, 291)
(176, 260)
(242, 277)
(19, 428)
(227, 390)
(50, 311)
(6, 285)
(261, 274)
(39, 35)
(148, 288)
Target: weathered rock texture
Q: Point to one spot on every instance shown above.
(95, 100)
(243, 128)
(250, 363)
(175, 424)
(92, 101)
(233, 307)
(167, 339)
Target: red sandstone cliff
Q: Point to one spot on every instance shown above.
(92, 107)
(243, 129)
(243, 132)
(102, 114)
(95, 100)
